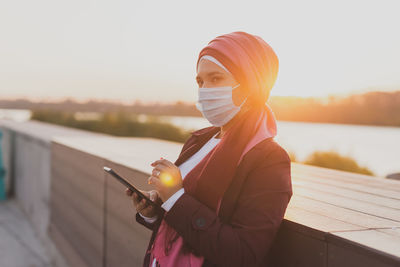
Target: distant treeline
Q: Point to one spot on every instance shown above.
(178, 108)
(372, 108)
(115, 123)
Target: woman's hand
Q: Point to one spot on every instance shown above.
(141, 206)
(166, 177)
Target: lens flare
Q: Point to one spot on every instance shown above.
(166, 179)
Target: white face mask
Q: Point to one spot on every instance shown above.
(216, 104)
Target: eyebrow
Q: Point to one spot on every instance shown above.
(211, 73)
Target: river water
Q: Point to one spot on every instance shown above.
(377, 148)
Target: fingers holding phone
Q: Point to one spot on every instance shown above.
(141, 204)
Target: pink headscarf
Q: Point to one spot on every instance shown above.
(254, 65)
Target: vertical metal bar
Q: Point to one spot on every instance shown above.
(2, 173)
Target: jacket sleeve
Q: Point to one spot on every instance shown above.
(159, 214)
(149, 219)
(259, 211)
(143, 222)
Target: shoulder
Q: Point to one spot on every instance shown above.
(268, 166)
(267, 151)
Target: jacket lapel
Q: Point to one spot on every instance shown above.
(195, 142)
(192, 145)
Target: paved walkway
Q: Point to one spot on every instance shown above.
(19, 246)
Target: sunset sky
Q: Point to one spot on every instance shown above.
(128, 50)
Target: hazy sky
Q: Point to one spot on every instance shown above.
(147, 50)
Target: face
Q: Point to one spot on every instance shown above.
(211, 75)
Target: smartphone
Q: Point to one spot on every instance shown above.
(131, 187)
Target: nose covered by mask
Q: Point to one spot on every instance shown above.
(216, 104)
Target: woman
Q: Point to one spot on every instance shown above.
(225, 196)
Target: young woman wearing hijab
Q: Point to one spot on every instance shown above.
(225, 196)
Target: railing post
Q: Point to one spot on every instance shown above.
(2, 173)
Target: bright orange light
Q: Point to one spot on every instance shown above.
(167, 179)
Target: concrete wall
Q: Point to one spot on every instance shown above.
(27, 161)
(27, 158)
(56, 174)
(26, 150)
(92, 220)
